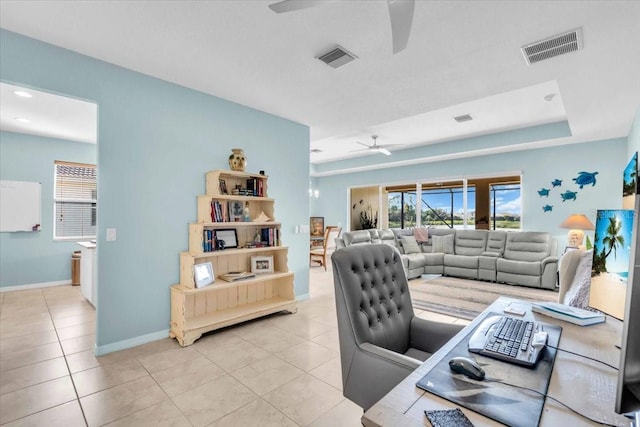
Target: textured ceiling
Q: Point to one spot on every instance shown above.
(462, 57)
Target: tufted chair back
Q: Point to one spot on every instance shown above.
(375, 319)
(376, 295)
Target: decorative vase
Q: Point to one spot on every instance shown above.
(237, 161)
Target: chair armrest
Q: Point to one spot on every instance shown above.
(429, 336)
(391, 356)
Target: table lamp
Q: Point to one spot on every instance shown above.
(576, 223)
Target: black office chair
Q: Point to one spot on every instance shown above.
(381, 340)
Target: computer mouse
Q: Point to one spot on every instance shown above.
(467, 367)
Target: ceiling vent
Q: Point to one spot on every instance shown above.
(337, 57)
(571, 41)
(463, 118)
(316, 150)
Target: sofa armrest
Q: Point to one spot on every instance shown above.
(390, 356)
(429, 336)
(549, 260)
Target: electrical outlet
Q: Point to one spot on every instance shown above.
(111, 234)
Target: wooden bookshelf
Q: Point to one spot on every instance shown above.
(195, 311)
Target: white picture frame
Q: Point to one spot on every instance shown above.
(203, 274)
(262, 264)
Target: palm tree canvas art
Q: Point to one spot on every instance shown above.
(611, 253)
(630, 183)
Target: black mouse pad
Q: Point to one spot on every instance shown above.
(510, 405)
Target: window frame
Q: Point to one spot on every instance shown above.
(91, 202)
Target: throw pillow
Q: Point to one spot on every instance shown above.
(421, 234)
(442, 244)
(410, 245)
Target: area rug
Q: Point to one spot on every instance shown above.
(466, 299)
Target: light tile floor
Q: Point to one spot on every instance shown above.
(283, 370)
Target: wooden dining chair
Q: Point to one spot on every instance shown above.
(319, 253)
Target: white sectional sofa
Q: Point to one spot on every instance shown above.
(525, 258)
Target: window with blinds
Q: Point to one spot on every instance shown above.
(75, 198)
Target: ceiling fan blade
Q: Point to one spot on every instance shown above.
(293, 5)
(383, 151)
(362, 143)
(401, 14)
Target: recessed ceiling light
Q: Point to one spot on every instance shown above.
(22, 94)
(22, 120)
(316, 150)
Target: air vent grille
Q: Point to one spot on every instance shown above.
(561, 44)
(337, 57)
(463, 118)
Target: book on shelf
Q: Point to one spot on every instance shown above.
(569, 314)
(219, 212)
(208, 241)
(234, 276)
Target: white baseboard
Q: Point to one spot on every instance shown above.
(131, 342)
(34, 286)
(302, 297)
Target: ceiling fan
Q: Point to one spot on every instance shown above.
(375, 147)
(400, 12)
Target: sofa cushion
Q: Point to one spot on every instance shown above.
(356, 237)
(462, 261)
(415, 260)
(409, 245)
(496, 241)
(387, 237)
(442, 244)
(527, 246)
(519, 267)
(470, 242)
(436, 258)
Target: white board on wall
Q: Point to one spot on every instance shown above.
(19, 206)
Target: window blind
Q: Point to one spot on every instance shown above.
(75, 196)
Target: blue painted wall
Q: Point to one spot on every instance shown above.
(634, 136)
(35, 257)
(155, 142)
(538, 168)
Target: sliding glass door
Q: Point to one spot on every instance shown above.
(486, 203)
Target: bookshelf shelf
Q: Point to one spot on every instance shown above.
(195, 311)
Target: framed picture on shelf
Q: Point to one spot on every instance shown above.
(261, 264)
(223, 186)
(228, 235)
(203, 274)
(316, 226)
(236, 211)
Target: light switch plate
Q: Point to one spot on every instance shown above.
(111, 234)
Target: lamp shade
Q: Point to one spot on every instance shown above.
(577, 222)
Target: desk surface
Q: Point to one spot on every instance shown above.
(586, 386)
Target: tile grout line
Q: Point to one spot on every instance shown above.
(66, 362)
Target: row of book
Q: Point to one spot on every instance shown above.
(208, 241)
(255, 187)
(268, 237)
(219, 211)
